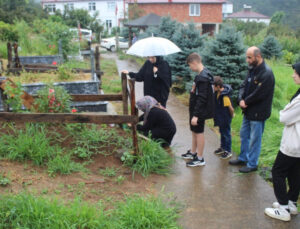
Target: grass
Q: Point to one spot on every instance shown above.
(109, 172)
(111, 81)
(27, 211)
(139, 60)
(152, 159)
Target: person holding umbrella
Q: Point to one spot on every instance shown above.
(157, 78)
(156, 72)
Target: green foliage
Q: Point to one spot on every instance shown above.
(225, 56)
(109, 172)
(288, 57)
(14, 92)
(7, 32)
(152, 159)
(27, 211)
(64, 72)
(3, 50)
(271, 48)
(120, 179)
(145, 212)
(4, 181)
(52, 99)
(250, 28)
(277, 17)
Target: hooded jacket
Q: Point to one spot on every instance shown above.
(290, 117)
(257, 91)
(222, 115)
(201, 103)
(156, 85)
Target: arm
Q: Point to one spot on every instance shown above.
(264, 86)
(149, 124)
(291, 113)
(139, 76)
(201, 98)
(164, 73)
(227, 103)
(242, 90)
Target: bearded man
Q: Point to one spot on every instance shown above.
(255, 99)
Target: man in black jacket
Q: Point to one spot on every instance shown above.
(255, 98)
(157, 78)
(201, 107)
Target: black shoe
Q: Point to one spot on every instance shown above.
(195, 162)
(226, 155)
(219, 151)
(188, 155)
(247, 169)
(237, 162)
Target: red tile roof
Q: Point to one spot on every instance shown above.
(247, 14)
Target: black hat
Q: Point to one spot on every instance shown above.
(297, 67)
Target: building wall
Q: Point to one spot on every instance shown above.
(104, 13)
(266, 21)
(209, 13)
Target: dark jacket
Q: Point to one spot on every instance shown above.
(201, 103)
(222, 115)
(257, 90)
(158, 85)
(160, 123)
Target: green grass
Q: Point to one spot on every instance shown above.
(284, 89)
(109, 172)
(27, 211)
(139, 60)
(111, 81)
(152, 159)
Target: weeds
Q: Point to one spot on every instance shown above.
(4, 181)
(120, 179)
(109, 172)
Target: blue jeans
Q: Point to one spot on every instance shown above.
(251, 135)
(225, 132)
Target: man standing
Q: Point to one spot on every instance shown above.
(255, 99)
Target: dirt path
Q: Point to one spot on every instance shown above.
(216, 195)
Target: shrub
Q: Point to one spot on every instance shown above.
(271, 48)
(14, 93)
(52, 99)
(7, 32)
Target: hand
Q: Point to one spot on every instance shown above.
(125, 72)
(129, 125)
(155, 69)
(243, 104)
(194, 121)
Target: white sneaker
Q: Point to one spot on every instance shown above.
(278, 213)
(292, 207)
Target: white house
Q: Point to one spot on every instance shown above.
(248, 15)
(111, 13)
(227, 9)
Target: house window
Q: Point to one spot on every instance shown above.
(108, 24)
(92, 6)
(111, 6)
(50, 7)
(69, 6)
(194, 9)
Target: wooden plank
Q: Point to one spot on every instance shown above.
(67, 118)
(106, 97)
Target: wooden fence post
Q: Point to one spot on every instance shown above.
(97, 64)
(9, 55)
(124, 94)
(17, 59)
(133, 112)
(3, 97)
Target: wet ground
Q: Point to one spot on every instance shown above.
(216, 195)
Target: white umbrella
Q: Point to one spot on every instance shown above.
(153, 46)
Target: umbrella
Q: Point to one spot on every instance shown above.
(153, 46)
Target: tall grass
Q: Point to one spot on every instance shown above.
(284, 89)
(27, 211)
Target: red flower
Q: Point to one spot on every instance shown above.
(51, 90)
(54, 63)
(74, 110)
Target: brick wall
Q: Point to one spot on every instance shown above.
(209, 13)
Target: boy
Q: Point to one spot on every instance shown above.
(201, 107)
(223, 114)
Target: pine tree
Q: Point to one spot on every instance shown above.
(271, 48)
(225, 56)
(188, 39)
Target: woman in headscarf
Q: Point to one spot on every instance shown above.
(156, 120)
(157, 78)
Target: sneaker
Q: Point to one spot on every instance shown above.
(292, 207)
(219, 151)
(226, 155)
(247, 169)
(195, 162)
(187, 155)
(278, 213)
(237, 162)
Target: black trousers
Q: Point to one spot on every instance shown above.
(286, 167)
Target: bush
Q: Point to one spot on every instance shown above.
(271, 48)
(7, 32)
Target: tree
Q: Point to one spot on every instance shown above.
(188, 39)
(271, 48)
(277, 17)
(225, 56)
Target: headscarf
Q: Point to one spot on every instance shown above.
(145, 104)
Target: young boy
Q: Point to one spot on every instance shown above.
(201, 107)
(222, 116)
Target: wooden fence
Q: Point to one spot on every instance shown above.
(128, 94)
